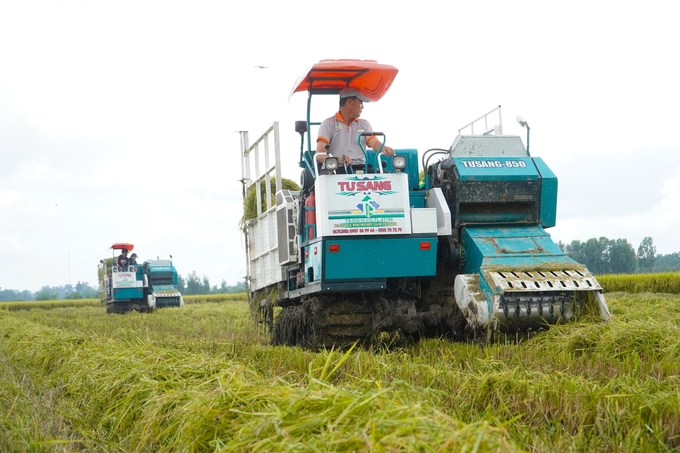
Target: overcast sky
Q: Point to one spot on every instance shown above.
(118, 119)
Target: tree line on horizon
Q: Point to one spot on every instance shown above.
(600, 255)
(617, 256)
(190, 285)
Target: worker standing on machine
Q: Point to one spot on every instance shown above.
(133, 260)
(341, 132)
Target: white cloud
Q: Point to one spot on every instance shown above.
(125, 115)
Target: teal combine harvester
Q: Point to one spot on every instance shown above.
(143, 287)
(463, 253)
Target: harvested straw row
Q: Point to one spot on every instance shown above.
(250, 200)
(124, 396)
(214, 298)
(48, 304)
(211, 384)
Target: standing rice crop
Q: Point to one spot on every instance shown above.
(668, 282)
(200, 378)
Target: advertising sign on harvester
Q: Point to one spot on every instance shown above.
(124, 280)
(363, 204)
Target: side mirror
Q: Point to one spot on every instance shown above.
(301, 127)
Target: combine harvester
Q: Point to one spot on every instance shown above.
(144, 287)
(463, 254)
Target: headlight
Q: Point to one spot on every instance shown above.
(331, 163)
(399, 162)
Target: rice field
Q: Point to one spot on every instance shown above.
(202, 378)
(63, 303)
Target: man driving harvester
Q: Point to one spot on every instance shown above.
(341, 132)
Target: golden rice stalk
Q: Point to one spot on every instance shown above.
(250, 200)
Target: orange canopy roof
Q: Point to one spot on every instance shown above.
(330, 76)
(122, 245)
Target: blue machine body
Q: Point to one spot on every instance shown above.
(127, 285)
(365, 248)
(501, 200)
(365, 262)
(163, 275)
(548, 193)
(497, 190)
(360, 263)
(514, 248)
(520, 246)
(127, 293)
(498, 200)
(163, 279)
(411, 169)
(141, 287)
